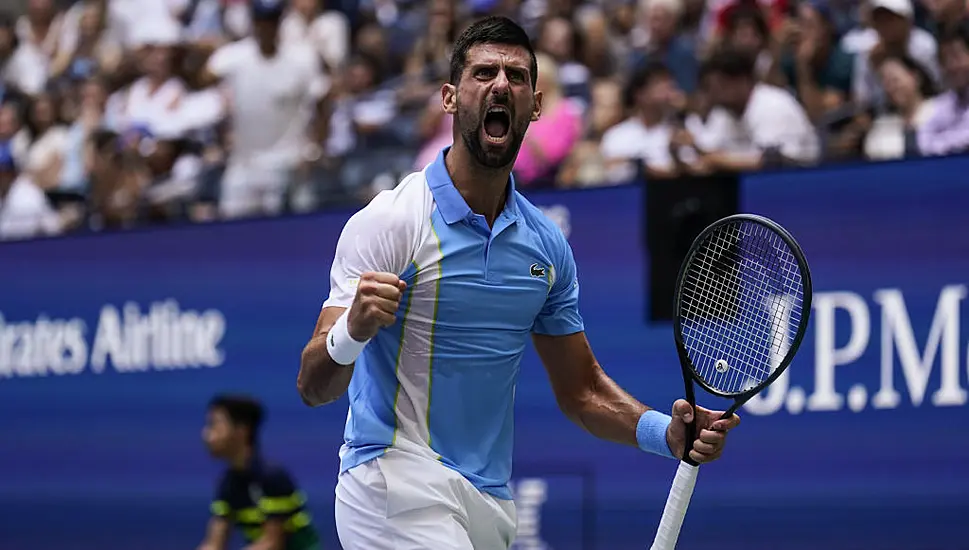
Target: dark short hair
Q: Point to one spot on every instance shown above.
(748, 13)
(242, 410)
(370, 62)
(954, 33)
(927, 86)
(730, 62)
(491, 30)
(644, 75)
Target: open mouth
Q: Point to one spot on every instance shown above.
(497, 124)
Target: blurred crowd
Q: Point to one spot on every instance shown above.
(121, 113)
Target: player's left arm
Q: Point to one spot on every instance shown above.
(281, 503)
(273, 536)
(593, 400)
(584, 392)
(219, 526)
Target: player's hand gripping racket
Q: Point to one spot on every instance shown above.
(743, 298)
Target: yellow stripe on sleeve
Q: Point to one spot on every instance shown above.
(251, 515)
(282, 505)
(297, 522)
(220, 508)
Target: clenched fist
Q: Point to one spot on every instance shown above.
(375, 305)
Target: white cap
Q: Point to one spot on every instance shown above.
(158, 32)
(898, 7)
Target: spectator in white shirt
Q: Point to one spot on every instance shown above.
(25, 212)
(88, 49)
(893, 32)
(652, 96)
(130, 21)
(763, 125)
(47, 142)
(911, 103)
(327, 31)
(40, 26)
(150, 102)
(71, 24)
(22, 65)
(946, 132)
(274, 89)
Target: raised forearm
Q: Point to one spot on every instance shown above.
(810, 92)
(321, 380)
(607, 411)
(731, 162)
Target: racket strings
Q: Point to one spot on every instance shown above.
(742, 342)
(727, 279)
(740, 305)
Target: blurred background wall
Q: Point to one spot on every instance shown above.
(860, 446)
(130, 293)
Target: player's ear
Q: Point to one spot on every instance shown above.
(449, 98)
(537, 109)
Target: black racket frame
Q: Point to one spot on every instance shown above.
(689, 373)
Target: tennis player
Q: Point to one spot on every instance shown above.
(435, 289)
(260, 498)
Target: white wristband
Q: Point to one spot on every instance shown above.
(343, 349)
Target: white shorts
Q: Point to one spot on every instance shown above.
(402, 501)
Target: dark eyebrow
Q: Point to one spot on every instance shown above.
(508, 66)
(494, 64)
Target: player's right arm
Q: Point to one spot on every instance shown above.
(375, 247)
(323, 379)
(216, 534)
(223, 61)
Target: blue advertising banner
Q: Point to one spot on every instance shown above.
(111, 345)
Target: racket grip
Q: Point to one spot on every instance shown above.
(676, 505)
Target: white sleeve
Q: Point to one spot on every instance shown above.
(50, 220)
(224, 60)
(381, 237)
(27, 69)
(114, 111)
(787, 127)
(861, 79)
(318, 83)
(332, 34)
(615, 145)
(711, 134)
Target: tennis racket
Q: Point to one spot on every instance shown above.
(743, 298)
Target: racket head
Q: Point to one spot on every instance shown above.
(732, 264)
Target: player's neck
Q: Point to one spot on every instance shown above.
(268, 49)
(651, 117)
(484, 189)
(242, 459)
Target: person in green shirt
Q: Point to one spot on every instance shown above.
(259, 498)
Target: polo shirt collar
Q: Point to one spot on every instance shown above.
(450, 203)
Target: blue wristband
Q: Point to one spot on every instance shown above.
(651, 433)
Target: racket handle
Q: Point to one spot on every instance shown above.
(676, 505)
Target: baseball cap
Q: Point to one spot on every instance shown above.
(898, 7)
(268, 8)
